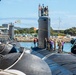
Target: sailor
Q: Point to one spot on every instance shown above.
(62, 45)
(37, 41)
(42, 10)
(47, 11)
(51, 44)
(39, 11)
(45, 43)
(34, 42)
(59, 46)
(54, 44)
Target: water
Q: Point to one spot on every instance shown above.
(67, 46)
(27, 44)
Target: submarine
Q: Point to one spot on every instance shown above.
(59, 63)
(15, 60)
(22, 61)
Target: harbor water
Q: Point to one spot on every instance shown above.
(67, 46)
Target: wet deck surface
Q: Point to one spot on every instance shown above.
(59, 63)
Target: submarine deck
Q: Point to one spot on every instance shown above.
(59, 63)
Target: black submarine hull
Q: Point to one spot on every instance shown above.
(59, 63)
(28, 64)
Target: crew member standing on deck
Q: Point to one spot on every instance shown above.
(59, 46)
(39, 11)
(62, 45)
(54, 44)
(45, 43)
(37, 41)
(34, 42)
(51, 44)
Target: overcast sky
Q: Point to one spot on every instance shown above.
(27, 12)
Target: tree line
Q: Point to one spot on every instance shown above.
(25, 30)
(70, 31)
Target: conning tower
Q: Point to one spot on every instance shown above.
(44, 25)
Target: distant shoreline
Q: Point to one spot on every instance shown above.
(24, 39)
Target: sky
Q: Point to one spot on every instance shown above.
(61, 12)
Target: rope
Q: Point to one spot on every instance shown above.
(16, 61)
(1, 70)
